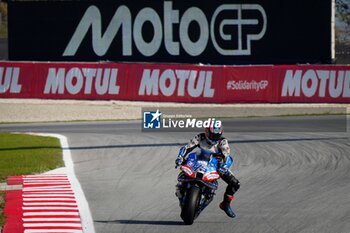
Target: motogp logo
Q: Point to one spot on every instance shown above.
(230, 29)
(239, 23)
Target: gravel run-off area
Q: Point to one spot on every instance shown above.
(43, 110)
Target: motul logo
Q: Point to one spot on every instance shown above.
(320, 83)
(176, 82)
(76, 80)
(9, 80)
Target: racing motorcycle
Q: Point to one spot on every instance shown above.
(197, 186)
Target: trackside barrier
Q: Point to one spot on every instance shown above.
(176, 83)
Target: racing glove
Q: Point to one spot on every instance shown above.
(225, 165)
(223, 169)
(179, 161)
(180, 157)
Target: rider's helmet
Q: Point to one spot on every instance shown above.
(214, 133)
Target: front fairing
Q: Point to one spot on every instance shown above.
(201, 170)
(196, 163)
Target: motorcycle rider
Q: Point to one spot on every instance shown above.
(211, 142)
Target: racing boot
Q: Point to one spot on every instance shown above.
(225, 206)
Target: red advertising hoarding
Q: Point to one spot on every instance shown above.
(176, 83)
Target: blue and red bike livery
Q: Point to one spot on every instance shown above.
(197, 185)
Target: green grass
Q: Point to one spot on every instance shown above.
(22, 154)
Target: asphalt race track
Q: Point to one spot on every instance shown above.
(291, 181)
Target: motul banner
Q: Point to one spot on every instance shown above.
(176, 83)
(313, 83)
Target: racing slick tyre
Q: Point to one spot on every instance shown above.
(188, 212)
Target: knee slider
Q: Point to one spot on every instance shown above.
(235, 184)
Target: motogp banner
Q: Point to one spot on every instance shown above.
(176, 83)
(172, 31)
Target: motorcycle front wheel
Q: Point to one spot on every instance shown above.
(191, 205)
